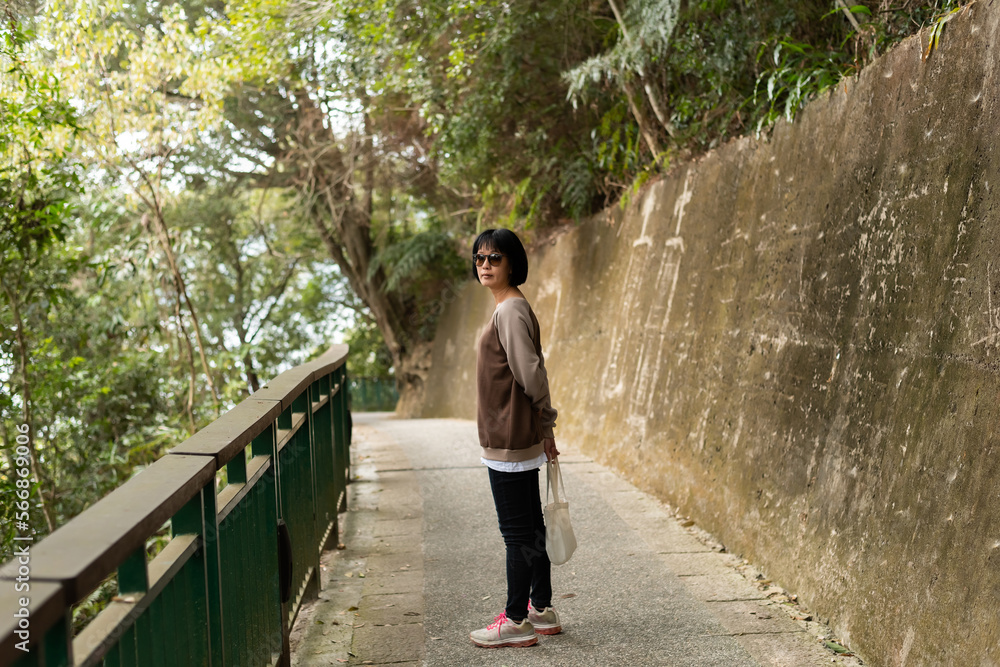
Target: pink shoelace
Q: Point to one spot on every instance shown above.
(498, 621)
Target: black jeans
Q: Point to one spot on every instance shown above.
(519, 512)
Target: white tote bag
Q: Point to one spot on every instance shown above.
(560, 543)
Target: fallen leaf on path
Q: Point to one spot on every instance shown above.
(566, 596)
(837, 648)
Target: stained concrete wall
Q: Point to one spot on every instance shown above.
(798, 344)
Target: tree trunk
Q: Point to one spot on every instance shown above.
(252, 377)
(652, 94)
(164, 238)
(648, 134)
(193, 373)
(341, 212)
(253, 382)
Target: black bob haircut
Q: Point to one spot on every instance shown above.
(505, 242)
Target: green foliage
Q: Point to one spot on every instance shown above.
(578, 187)
(417, 265)
(949, 11)
(617, 150)
(792, 73)
(649, 25)
(255, 263)
(409, 262)
(368, 357)
(508, 204)
(487, 78)
(96, 351)
(36, 186)
(35, 181)
(795, 73)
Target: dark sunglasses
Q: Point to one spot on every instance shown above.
(494, 257)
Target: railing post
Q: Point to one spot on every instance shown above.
(303, 403)
(197, 517)
(58, 642)
(342, 419)
(325, 469)
(133, 581)
(265, 444)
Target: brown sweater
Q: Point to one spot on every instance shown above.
(514, 413)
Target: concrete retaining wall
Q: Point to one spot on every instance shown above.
(798, 344)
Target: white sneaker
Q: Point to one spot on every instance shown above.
(545, 622)
(504, 632)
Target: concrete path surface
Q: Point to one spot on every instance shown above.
(423, 564)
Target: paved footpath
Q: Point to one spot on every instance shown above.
(423, 564)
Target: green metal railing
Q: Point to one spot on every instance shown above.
(226, 588)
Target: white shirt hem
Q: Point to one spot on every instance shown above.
(515, 466)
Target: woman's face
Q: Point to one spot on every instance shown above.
(494, 277)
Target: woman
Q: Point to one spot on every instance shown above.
(515, 421)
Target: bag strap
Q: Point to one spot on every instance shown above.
(548, 479)
(553, 477)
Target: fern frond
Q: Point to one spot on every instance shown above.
(649, 24)
(577, 187)
(410, 259)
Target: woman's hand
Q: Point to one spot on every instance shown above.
(550, 448)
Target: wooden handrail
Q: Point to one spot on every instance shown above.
(81, 553)
(230, 433)
(291, 383)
